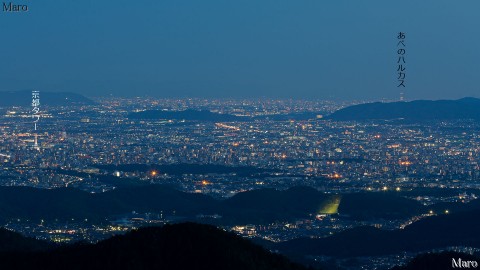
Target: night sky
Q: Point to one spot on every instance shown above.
(252, 48)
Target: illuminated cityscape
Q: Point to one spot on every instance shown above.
(277, 145)
(239, 135)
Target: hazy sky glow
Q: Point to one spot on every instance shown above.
(216, 48)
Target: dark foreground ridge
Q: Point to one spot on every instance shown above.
(459, 229)
(438, 261)
(15, 242)
(419, 110)
(179, 246)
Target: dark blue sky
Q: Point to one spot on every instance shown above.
(287, 49)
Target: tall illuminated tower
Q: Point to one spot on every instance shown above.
(35, 143)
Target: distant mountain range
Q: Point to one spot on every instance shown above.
(419, 110)
(24, 98)
(179, 246)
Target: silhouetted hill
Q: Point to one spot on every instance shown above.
(179, 246)
(15, 242)
(261, 206)
(66, 203)
(419, 110)
(359, 241)
(302, 201)
(269, 205)
(437, 261)
(27, 202)
(190, 115)
(24, 98)
(156, 198)
(385, 205)
(459, 229)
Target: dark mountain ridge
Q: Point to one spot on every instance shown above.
(15, 242)
(179, 246)
(419, 110)
(256, 206)
(437, 261)
(459, 229)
